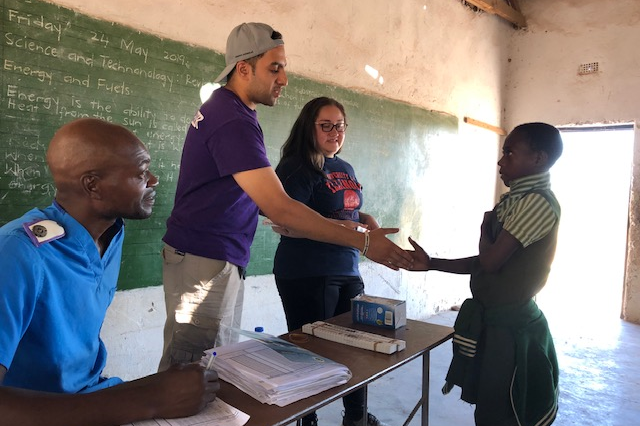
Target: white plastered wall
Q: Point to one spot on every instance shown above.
(543, 85)
(436, 54)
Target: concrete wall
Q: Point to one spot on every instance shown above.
(439, 55)
(543, 85)
(430, 55)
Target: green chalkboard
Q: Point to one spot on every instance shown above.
(58, 65)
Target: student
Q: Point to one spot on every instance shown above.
(317, 280)
(504, 358)
(225, 180)
(60, 268)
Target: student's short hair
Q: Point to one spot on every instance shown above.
(542, 137)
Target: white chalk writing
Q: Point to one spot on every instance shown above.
(130, 47)
(116, 65)
(36, 21)
(32, 46)
(43, 76)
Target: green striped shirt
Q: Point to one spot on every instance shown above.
(525, 215)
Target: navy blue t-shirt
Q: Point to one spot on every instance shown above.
(336, 196)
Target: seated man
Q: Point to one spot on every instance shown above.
(59, 268)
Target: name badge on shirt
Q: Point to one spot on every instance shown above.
(43, 231)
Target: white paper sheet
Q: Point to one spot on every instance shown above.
(216, 413)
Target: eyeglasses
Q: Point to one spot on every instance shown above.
(327, 127)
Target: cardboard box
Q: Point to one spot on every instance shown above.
(379, 311)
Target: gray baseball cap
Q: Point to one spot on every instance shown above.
(246, 41)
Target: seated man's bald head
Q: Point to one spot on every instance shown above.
(83, 146)
(101, 171)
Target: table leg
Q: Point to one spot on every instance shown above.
(423, 402)
(366, 407)
(425, 389)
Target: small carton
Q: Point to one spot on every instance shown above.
(379, 311)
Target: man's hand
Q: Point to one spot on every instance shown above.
(384, 251)
(182, 390)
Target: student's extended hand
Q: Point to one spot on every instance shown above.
(421, 260)
(383, 251)
(183, 390)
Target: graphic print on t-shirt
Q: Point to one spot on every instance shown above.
(337, 181)
(351, 200)
(341, 197)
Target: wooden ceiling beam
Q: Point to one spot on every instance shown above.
(514, 4)
(502, 9)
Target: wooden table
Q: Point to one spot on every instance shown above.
(366, 366)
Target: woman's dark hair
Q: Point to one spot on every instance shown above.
(301, 145)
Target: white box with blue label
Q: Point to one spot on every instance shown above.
(379, 311)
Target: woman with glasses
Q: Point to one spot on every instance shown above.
(317, 280)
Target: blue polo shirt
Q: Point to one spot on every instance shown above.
(53, 300)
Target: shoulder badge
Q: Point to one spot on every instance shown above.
(42, 231)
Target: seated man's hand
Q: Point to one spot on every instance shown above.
(184, 390)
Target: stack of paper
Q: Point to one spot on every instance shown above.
(275, 371)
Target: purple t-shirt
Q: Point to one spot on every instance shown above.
(212, 216)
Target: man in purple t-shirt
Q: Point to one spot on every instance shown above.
(225, 179)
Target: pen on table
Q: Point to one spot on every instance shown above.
(211, 359)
